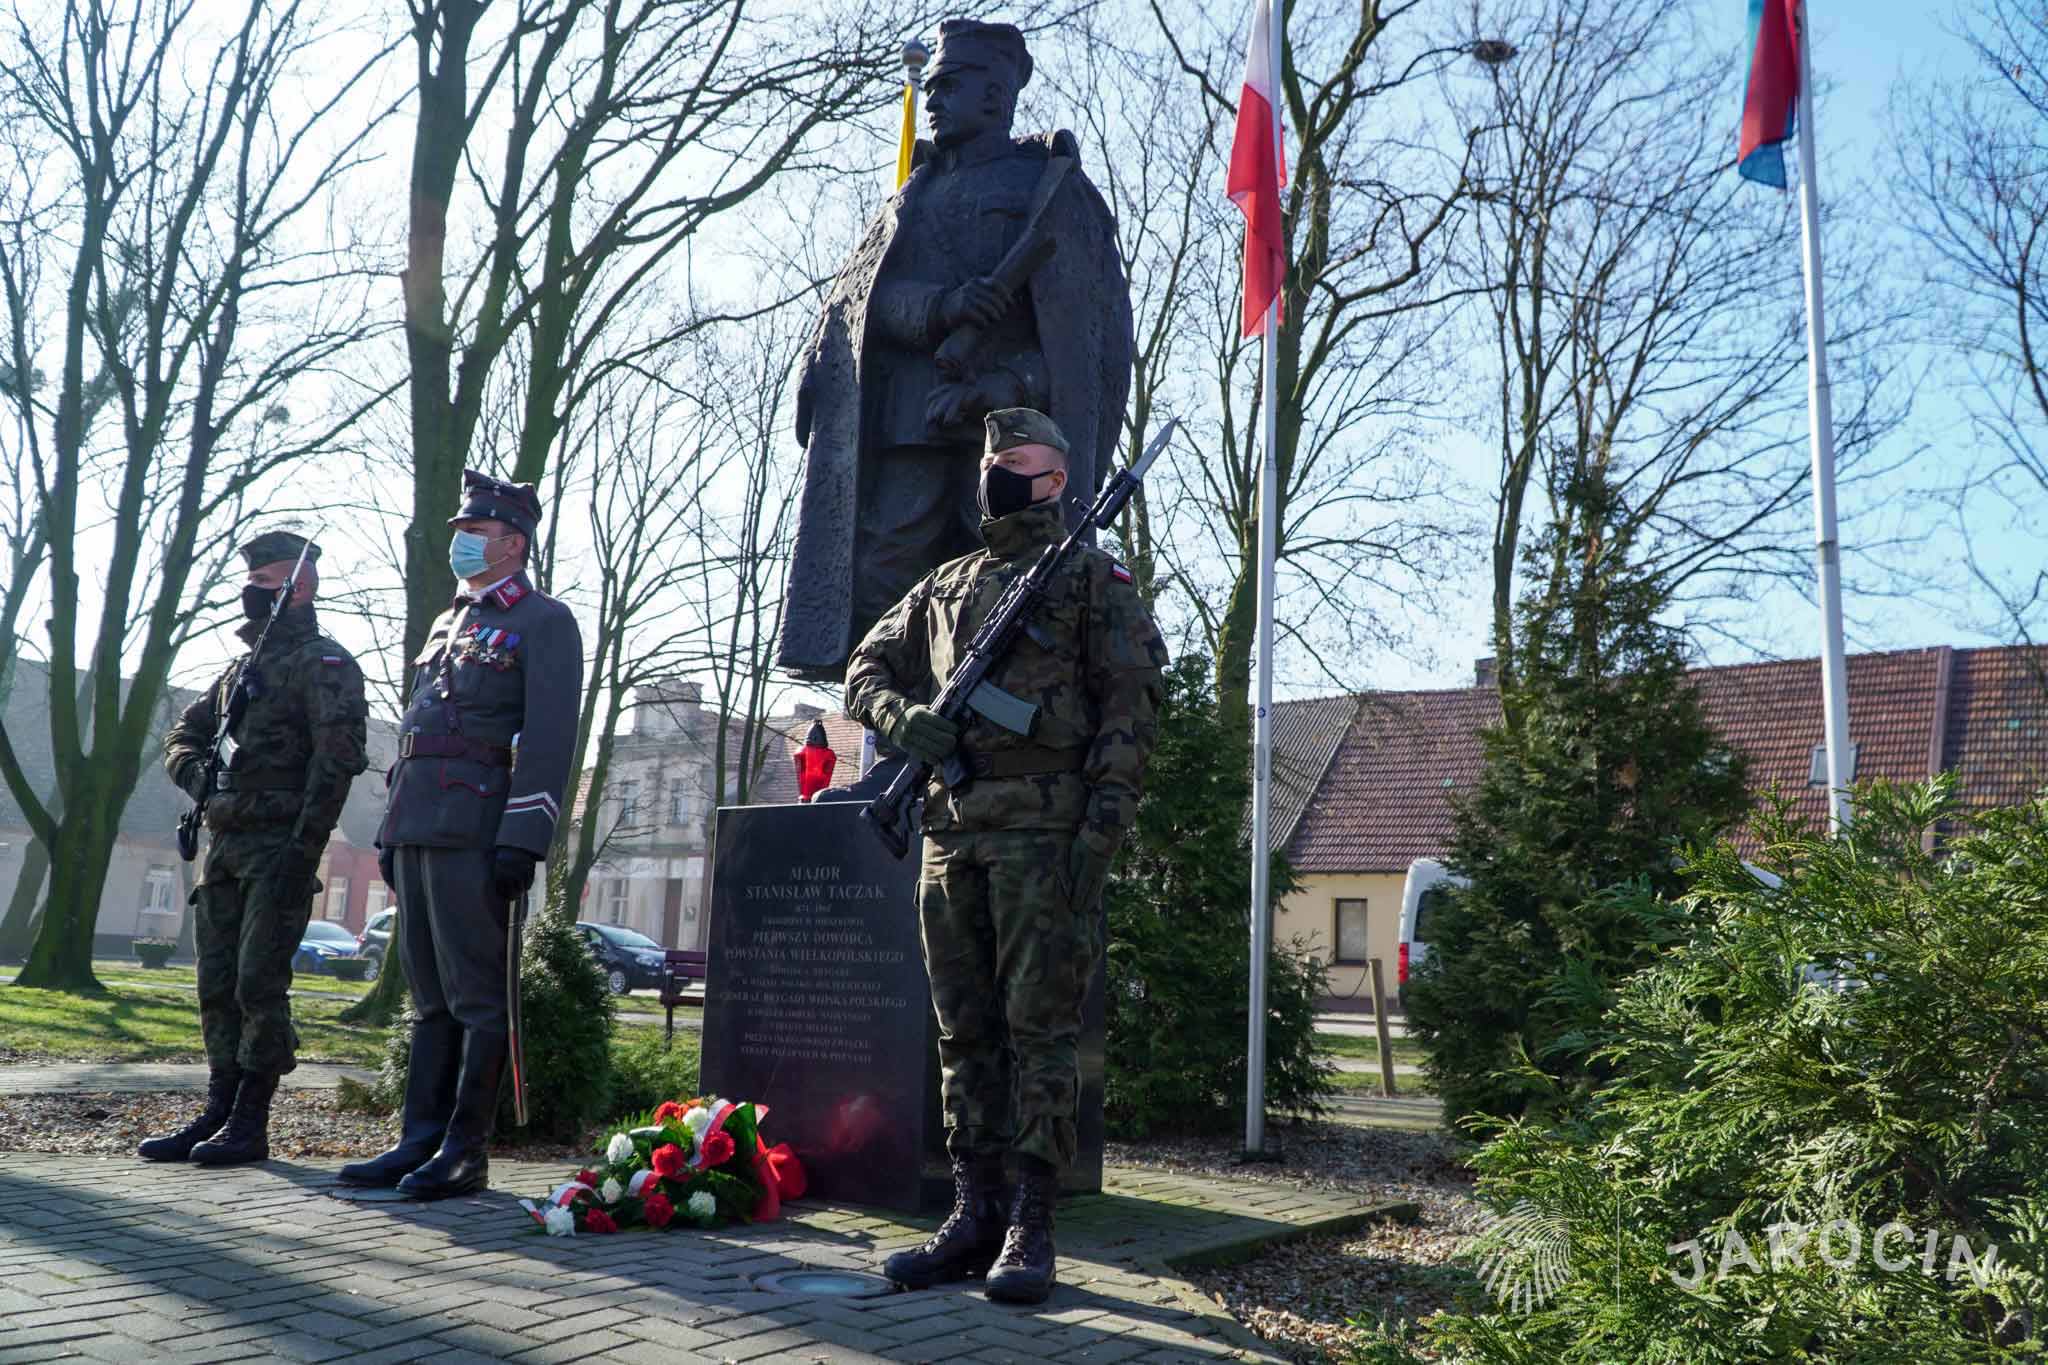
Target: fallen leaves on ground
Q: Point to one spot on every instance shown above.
(1304, 1296)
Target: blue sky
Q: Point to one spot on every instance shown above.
(1865, 55)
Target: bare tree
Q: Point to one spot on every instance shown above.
(1971, 154)
(1642, 303)
(1367, 207)
(192, 275)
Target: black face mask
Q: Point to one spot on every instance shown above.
(1004, 491)
(256, 601)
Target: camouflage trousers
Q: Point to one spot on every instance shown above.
(246, 937)
(1010, 958)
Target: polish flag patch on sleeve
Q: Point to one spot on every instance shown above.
(1119, 572)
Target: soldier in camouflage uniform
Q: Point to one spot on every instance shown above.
(296, 749)
(1014, 863)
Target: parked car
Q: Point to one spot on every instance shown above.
(1429, 884)
(324, 941)
(375, 941)
(630, 960)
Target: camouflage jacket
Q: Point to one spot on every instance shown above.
(500, 676)
(298, 746)
(1094, 667)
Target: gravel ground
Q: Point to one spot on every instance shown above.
(303, 1123)
(1304, 1296)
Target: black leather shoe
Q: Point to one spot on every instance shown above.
(221, 1084)
(247, 1136)
(463, 1164)
(429, 1099)
(1023, 1273)
(967, 1242)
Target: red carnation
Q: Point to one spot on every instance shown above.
(657, 1210)
(587, 1178)
(717, 1148)
(668, 1160)
(666, 1110)
(597, 1220)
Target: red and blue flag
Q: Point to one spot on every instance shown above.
(1771, 97)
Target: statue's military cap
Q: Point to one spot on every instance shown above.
(1011, 427)
(970, 45)
(515, 504)
(275, 547)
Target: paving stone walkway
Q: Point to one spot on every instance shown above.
(110, 1259)
(56, 1078)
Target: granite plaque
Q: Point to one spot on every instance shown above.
(816, 1004)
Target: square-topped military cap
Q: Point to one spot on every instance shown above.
(515, 504)
(277, 547)
(1008, 428)
(970, 45)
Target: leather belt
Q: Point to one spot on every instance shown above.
(1027, 762)
(454, 746)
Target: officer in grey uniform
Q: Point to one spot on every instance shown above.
(484, 752)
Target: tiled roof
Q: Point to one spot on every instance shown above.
(1982, 712)
(1305, 739)
(1385, 800)
(1997, 724)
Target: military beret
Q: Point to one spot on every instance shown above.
(515, 504)
(1011, 427)
(970, 45)
(275, 547)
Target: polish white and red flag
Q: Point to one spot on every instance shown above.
(1257, 171)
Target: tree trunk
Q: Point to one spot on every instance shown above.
(18, 930)
(62, 957)
(384, 1001)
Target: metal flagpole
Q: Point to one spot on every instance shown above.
(1262, 718)
(1821, 429)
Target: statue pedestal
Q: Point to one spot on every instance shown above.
(816, 1004)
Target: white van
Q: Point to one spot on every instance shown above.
(1429, 882)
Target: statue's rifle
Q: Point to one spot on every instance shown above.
(222, 750)
(968, 688)
(1032, 249)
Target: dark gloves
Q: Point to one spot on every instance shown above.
(512, 871)
(290, 880)
(1088, 868)
(192, 778)
(925, 735)
(387, 866)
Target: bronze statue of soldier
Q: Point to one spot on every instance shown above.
(990, 280)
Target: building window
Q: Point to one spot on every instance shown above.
(160, 891)
(629, 803)
(337, 898)
(1818, 776)
(615, 901)
(678, 803)
(377, 901)
(1351, 945)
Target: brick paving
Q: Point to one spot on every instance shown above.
(59, 1078)
(111, 1259)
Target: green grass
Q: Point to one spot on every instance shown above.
(137, 1024)
(119, 972)
(1346, 1045)
(1368, 1083)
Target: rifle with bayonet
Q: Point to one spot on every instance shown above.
(221, 753)
(968, 687)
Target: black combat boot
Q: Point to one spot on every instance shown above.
(429, 1099)
(463, 1165)
(247, 1136)
(1024, 1272)
(967, 1242)
(221, 1083)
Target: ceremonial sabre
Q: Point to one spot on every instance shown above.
(516, 1049)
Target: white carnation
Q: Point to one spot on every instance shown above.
(561, 1222)
(610, 1191)
(697, 1120)
(702, 1205)
(619, 1149)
